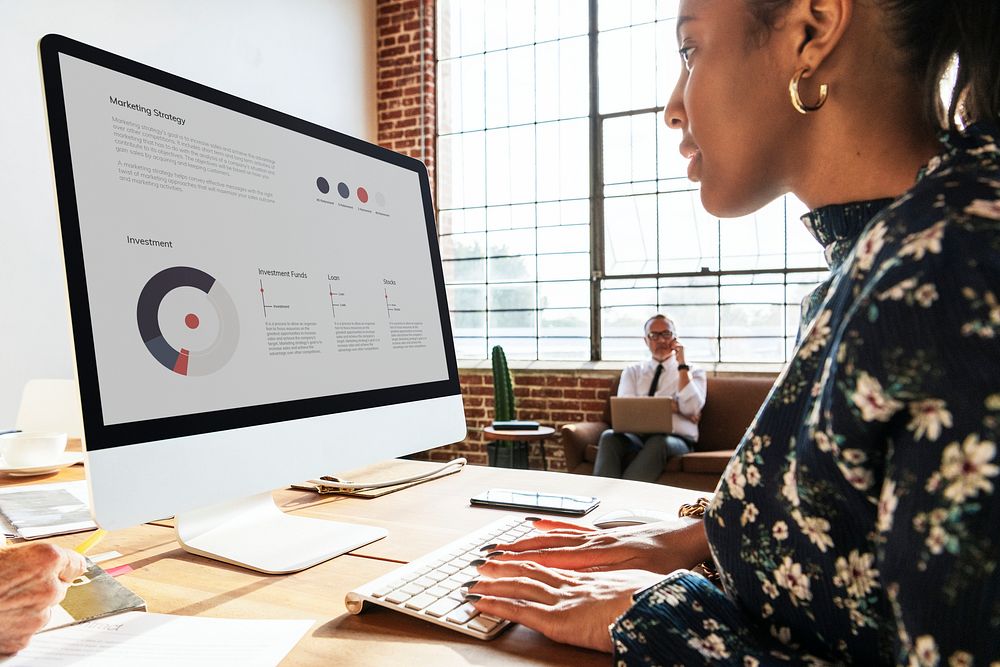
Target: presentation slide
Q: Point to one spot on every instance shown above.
(233, 263)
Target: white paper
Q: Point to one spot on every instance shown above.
(78, 490)
(140, 638)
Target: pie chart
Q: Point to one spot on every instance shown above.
(199, 316)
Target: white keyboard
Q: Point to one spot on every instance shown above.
(431, 587)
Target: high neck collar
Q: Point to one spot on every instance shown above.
(838, 226)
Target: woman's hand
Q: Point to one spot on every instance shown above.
(566, 606)
(656, 547)
(33, 577)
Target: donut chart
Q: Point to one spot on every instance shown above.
(174, 357)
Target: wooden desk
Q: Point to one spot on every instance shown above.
(419, 519)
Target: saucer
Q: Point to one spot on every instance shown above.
(65, 460)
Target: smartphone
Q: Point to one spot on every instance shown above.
(555, 503)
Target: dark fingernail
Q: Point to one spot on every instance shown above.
(472, 597)
(470, 583)
(478, 562)
(532, 518)
(488, 547)
(493, 553)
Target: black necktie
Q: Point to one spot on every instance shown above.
(656, 379)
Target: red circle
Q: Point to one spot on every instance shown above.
(363, 195)
(191, 321)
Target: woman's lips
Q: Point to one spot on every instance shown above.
(694, 166)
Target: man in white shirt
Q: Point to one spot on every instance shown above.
(666, 374)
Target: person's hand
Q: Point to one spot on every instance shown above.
(33, 577)
(566, 606)
(678, 350)
(656, 547)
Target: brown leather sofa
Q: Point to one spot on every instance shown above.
(731, 405)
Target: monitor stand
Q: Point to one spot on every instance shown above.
(254, 533)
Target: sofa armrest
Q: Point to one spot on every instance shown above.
(576, 436)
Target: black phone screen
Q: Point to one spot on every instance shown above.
(532, 500)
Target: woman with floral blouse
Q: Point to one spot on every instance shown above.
(858, 521)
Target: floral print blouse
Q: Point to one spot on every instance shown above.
(859, 520)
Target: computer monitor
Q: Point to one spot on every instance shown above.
(254, 300)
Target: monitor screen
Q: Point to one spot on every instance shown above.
(229, 266)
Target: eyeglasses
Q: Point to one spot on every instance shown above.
(660, 335)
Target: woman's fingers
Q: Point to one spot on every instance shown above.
(553, 525)
(545, 541)
(497, 569)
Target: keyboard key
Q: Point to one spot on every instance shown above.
(439, 591)
(463, 614)
(441, 607)
(484, 623)
(418, 602)
(398, 597)
(426, 582)
(449, 569)
(412, 589)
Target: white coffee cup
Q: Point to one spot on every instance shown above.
(31, 450)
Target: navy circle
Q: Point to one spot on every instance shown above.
(323, 185)
(344, 191)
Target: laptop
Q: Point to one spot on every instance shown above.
(642, 414)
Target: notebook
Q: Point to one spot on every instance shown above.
(642, 414)
(94, 594)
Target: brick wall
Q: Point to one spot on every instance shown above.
(552, 398)
(405, 74)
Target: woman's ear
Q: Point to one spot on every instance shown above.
(817, 27)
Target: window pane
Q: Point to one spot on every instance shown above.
(462, 246)
(753, 350)
(630, 235)
(574, 238)
(495, 24)
(473, 26)
(463, 220)
(466, 297)
(473, 93)
(511, 269)
(464, 271)
(563, 164)
(508, 297)
(564, 322)
(448, 28)
(517, 348)
(469, 324)
(564, 348)
(515, 323)
(470, 348)
(564, 295)
(497, 89)
(521, 85)
(744, 320)
(512, 242)
(689, 235)
(574, 88)
(563, 267)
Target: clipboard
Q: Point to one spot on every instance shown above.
(381, 479)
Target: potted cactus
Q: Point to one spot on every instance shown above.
(504, 453)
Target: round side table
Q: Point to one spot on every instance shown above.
(528, 436)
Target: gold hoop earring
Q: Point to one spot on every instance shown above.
(793, 91)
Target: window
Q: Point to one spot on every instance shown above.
(565, 215)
